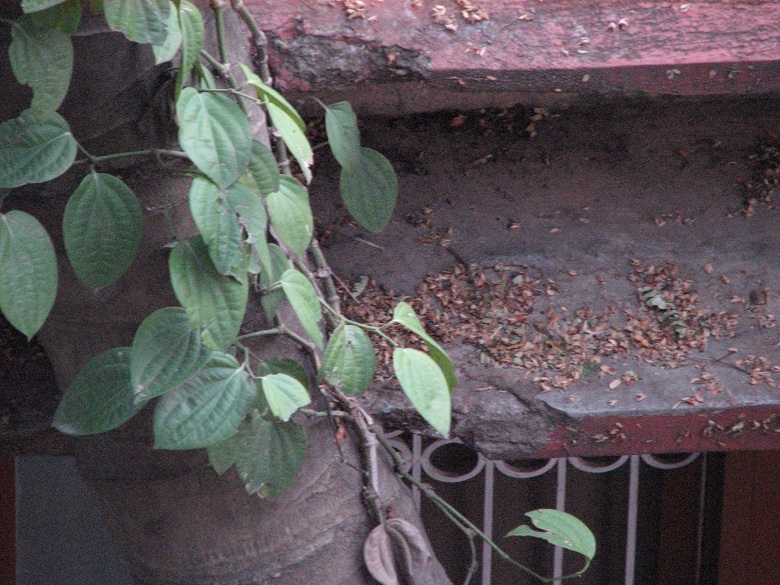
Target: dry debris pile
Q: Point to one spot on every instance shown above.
(507, 314)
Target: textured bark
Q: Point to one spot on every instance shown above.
(177, 521)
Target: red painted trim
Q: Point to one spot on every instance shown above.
(754, 428)
(7, 521)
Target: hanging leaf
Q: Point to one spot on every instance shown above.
(166, 352)
(270, 95)
(343, 134)
(560, 529)
(102, 229)
(167, 51)
(284, 395)
(64, 16)
(404, 315)
(142, 21)
(269, 276)
(36, 5)
(204, 410)
(224, 454)
(291, 215)
(217, 222)
(290, 367)
(33, 150)
(214, 303)
(43, 59)
(252, 216)
(191, 25)
(215, 134)
(264, 168)
(349, 362)
(100, 398)
(397, 553)
(28, 272)
(424, 383)
(293, 137)
(369, 190)
(305, 303)
(271, 456)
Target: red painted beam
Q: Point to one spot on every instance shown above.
(572, 46)
(750, 428)
(7, 521)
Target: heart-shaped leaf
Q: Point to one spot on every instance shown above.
(264, 168)
(217, 222)
(102, 229)
(166, 352)
(64, 16)
(305, 303)
(214, 303)
(349, 362)
(101, 396)
(369, 189)
(204, 410)
(424, 383)
(215, 134)
(343, 134)
(192, 29)
(404, 315)
(271, 456)
(270, 276)
(28, 272)
(284, 395)
(34, 150)
(560, 529)
(142, 21)
(167, 51)
(397, 553)
(291, 215)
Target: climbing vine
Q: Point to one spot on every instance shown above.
(255, 231)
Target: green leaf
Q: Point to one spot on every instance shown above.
(343, 134)
(269, 95)
(272, 453)
(369, 190)
(100, 398)
(36, 5)
(102, 229)
(217, 222)
(167, 51)
(214, 302)
(291, 215)
(28, 272)
(293, 137)
(284, 394)
(423, 382)
(269, 276)
(204, 410)
(305, 303)
(33, 150)
(404, 315)
(43, 59)
(191, 25)
(142, 21)
(65, 16)
(560, 529)
(166, 352)
(264, 169)
(224, 454)
(215, 134)
(290, 367)
(349, 362)
(252, 216)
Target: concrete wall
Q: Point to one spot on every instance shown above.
(61, 538)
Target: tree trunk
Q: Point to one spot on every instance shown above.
(174, 517)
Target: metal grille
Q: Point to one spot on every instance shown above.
(420, 455)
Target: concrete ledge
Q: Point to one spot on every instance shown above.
(523, 47)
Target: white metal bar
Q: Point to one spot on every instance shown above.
(633, 510)
(487, 524)
(560, 504)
